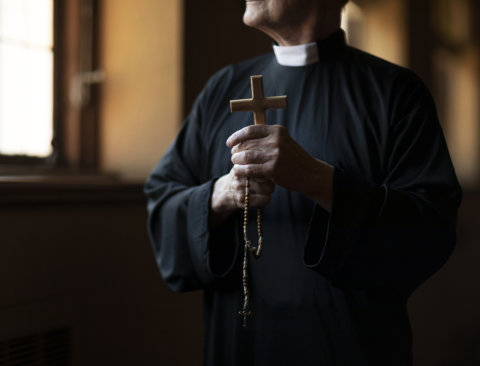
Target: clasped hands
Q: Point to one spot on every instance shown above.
(269, 156)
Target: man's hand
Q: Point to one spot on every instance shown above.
(229, 193)
(269, 153)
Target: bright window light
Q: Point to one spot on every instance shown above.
(26, 77)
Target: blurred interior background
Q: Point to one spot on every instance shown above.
(92, 92)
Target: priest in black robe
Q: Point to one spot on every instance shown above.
(358, 192)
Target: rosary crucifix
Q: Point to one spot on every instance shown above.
(257, 104)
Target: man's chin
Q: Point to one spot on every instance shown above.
(253, 16)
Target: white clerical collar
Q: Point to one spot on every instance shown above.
(301, 55)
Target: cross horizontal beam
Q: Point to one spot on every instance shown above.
(258, 104)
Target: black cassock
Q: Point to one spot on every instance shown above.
(329, 289)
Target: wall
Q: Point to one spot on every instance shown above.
(141, 98)
(75, 255)
(386, 31)
(379, 27)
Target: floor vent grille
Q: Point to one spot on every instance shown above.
(45, 349)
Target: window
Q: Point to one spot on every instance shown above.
(26, 74)
(48, 93)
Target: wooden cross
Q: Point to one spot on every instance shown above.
(258, 104)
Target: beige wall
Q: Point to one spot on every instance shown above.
(385, 30)
(463, 114)
(382, 24)
(141, 98)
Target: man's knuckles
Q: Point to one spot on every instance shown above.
(249, 133)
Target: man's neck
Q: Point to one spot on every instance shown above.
(313, 29)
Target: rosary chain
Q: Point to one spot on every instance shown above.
(248, 247)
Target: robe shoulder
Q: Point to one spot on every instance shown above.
(397, 88)
(374, 66)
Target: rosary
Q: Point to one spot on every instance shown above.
(258, 104)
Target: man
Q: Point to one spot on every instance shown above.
(358, 193)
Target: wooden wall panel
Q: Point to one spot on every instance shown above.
(88, 266)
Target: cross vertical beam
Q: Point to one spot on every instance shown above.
(258, 104)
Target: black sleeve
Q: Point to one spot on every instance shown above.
(396, 234)
(189, 254)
